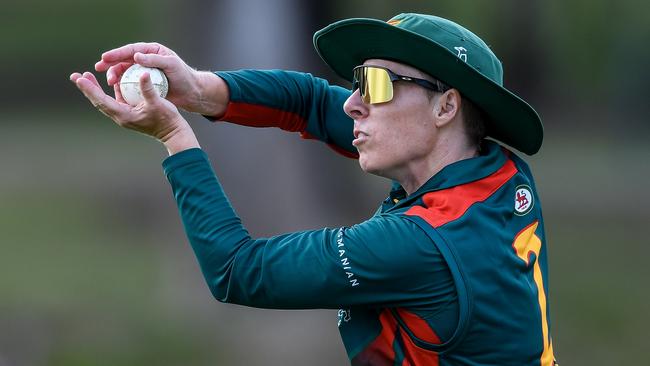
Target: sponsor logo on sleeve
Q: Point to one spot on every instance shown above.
(345, 261)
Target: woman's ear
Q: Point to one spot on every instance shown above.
(447, 107)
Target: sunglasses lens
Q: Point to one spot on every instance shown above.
(373, 83)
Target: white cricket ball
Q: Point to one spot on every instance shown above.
(130, 83)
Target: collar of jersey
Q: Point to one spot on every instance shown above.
(460, 172)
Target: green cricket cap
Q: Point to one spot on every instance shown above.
(444, 50)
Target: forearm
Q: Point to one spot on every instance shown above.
(237, 268)
(180, 140)
(211, 225)
(292, 101)
(213, 95)
(370, 263)
(297, 270)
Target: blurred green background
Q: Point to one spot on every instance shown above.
(94, 265)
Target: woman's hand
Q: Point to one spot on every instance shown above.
(189, 89)
(155, 116)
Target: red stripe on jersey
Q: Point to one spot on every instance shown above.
(380, 352)
(419, 327)
(254, 115)
(414, 355)
(449, 204)
(338, 149)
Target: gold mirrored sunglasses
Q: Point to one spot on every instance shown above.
(375, 83)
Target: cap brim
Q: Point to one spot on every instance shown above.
(348, 43)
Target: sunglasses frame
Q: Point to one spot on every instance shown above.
(437, 87)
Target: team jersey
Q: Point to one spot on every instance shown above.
(452, 274)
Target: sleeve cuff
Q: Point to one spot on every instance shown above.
(183, 158)
(233, 89)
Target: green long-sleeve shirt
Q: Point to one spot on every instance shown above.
(384, 261)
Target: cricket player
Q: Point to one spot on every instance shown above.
(452, 267)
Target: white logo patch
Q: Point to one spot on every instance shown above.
(462, 53)
(524, 200)
(344, 316)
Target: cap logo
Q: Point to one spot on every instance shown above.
(524, 200)
(394, 21)
(462, 53)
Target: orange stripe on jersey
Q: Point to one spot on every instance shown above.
(254, 115)
(414, 355)
(449, 204)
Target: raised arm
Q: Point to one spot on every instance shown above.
(386, 260)
(292, 101)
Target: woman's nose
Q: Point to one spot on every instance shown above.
(355, 107)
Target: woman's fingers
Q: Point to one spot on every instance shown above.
(100, 100)
(126, 52)
(92, 78)
(118, 93)
(115, 72)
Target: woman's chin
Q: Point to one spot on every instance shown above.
(367, 165)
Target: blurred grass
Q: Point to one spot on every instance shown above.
(48, 240)
(81, 277)
(88, 284)
(598, 290)
(93, 270)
